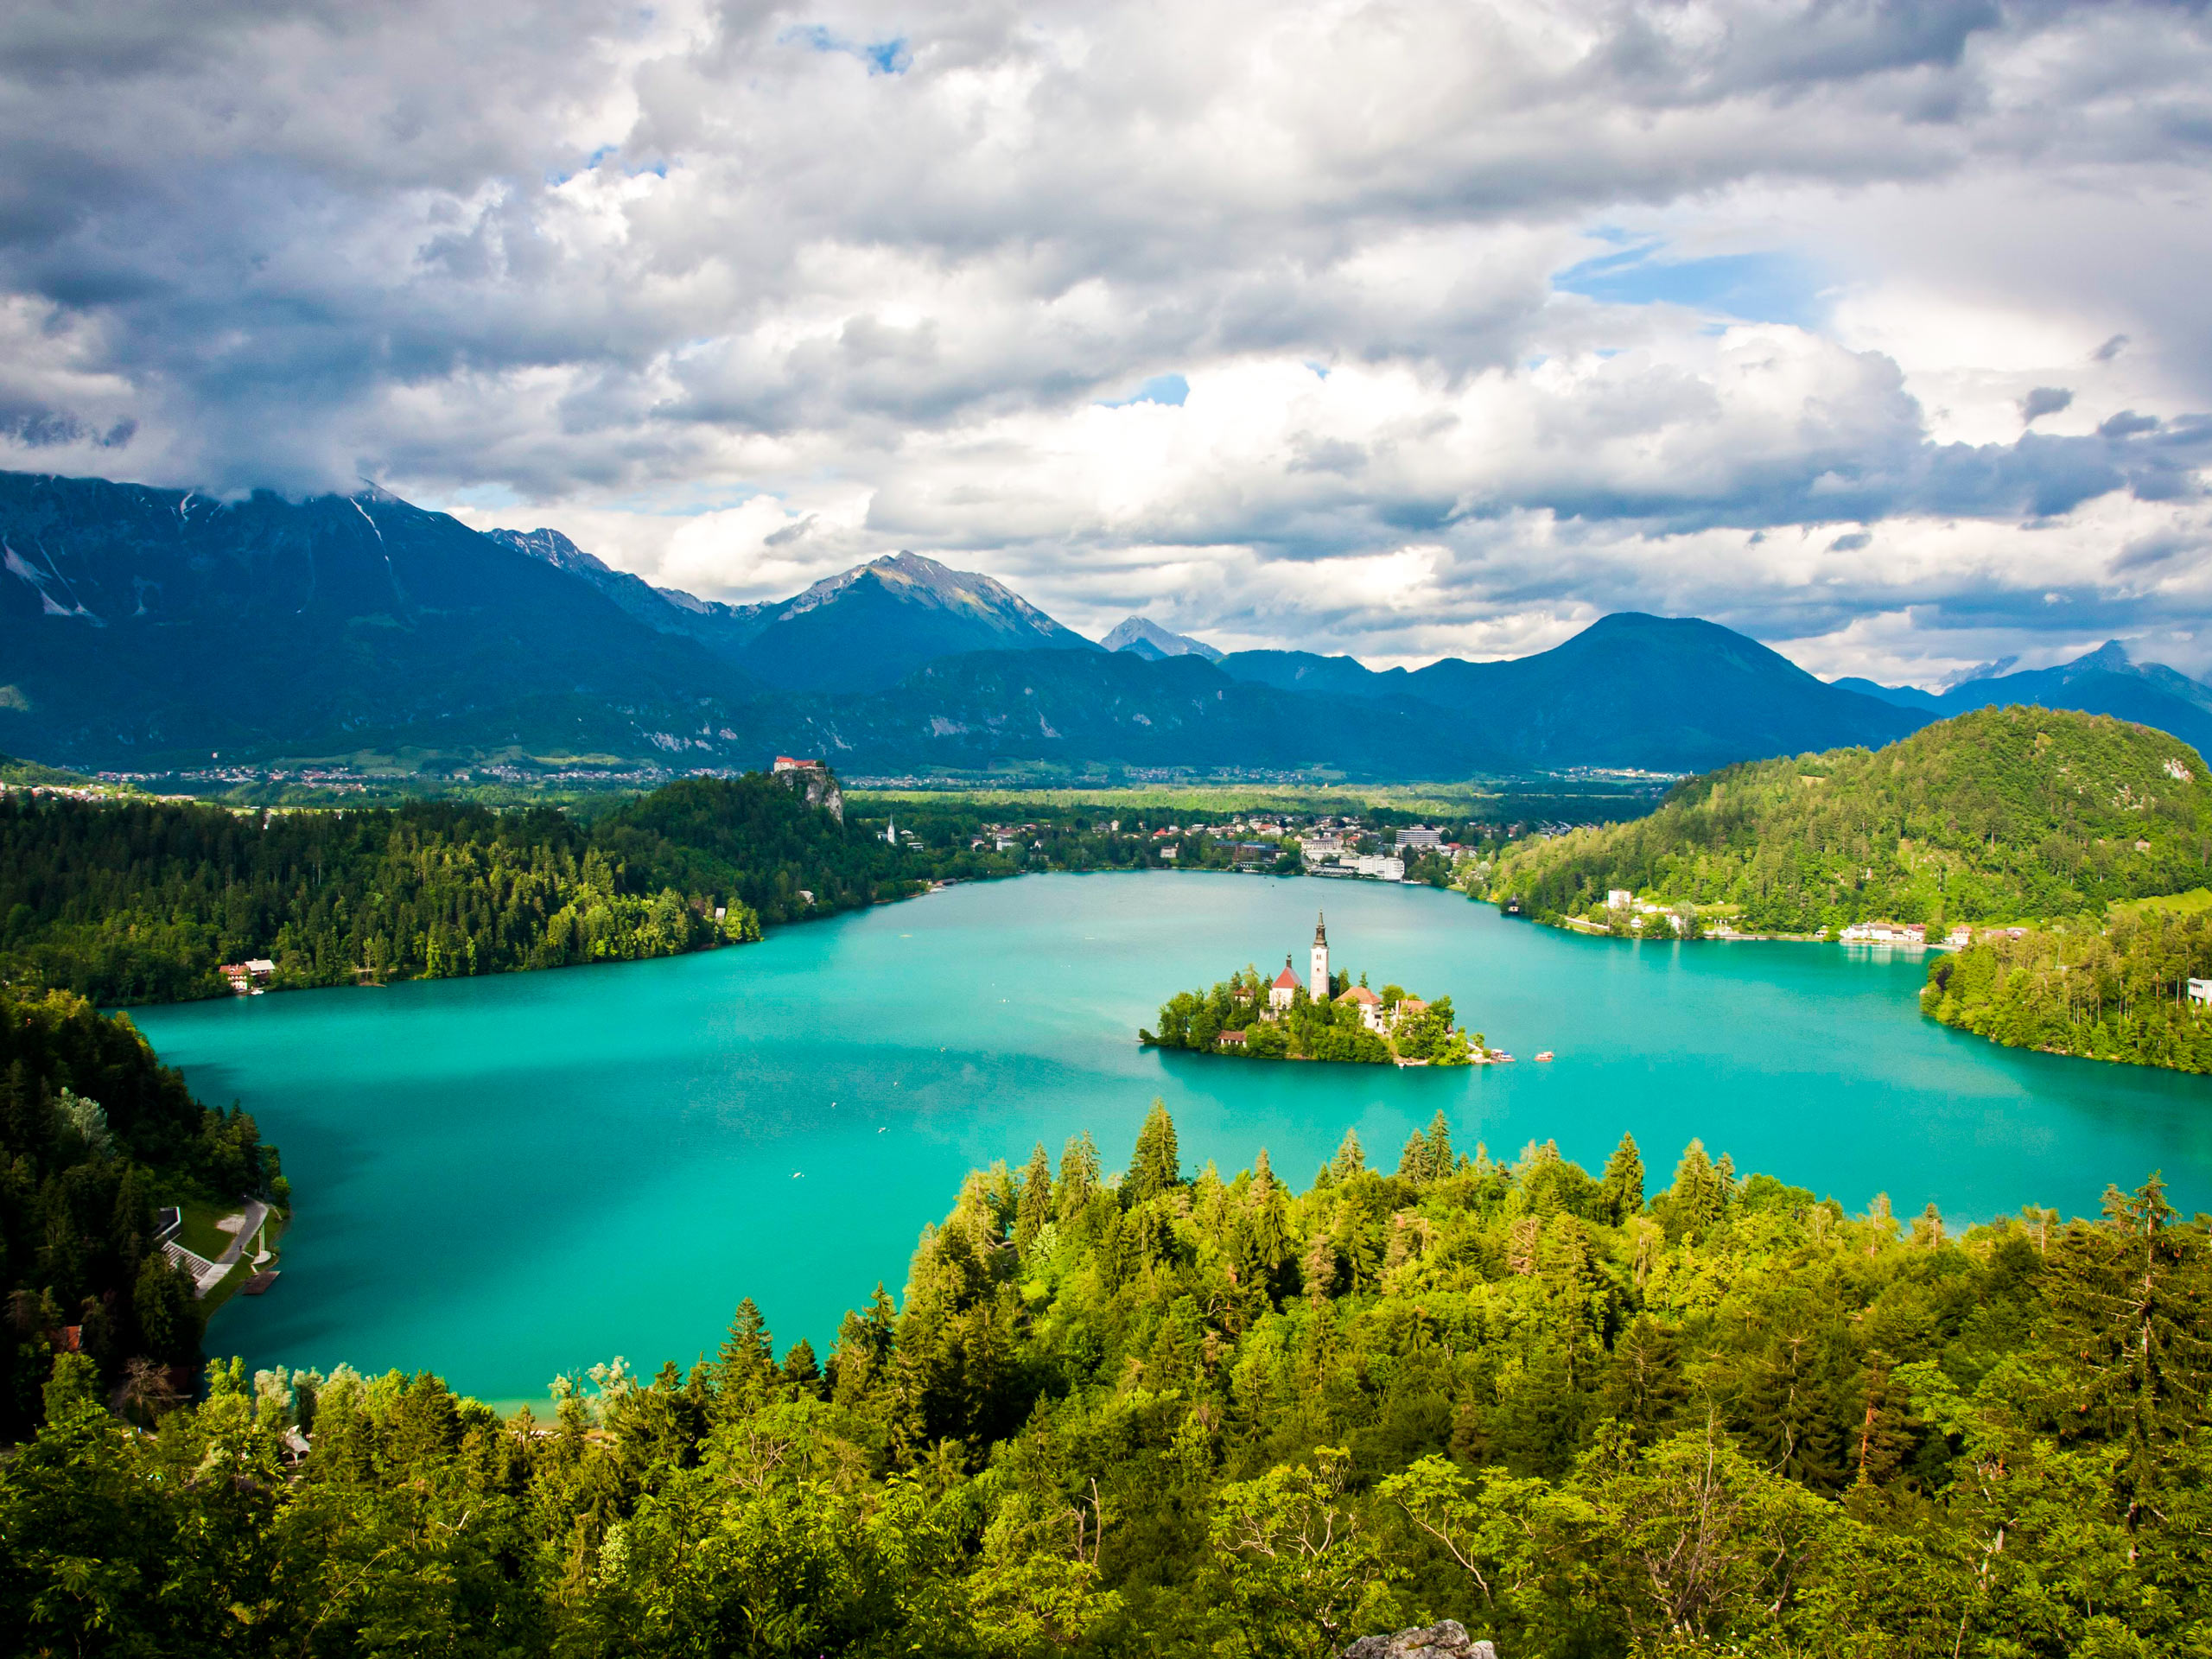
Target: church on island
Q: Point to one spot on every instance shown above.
(1320, 1016)
(1373, 1013)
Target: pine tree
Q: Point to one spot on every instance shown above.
(2132, 1299)
(1621, 1187)
(1318, 1269)
(1789, 1419)
(882, 1319)
(1351, 1157)
(1156, 1167)
(1079, 1176)
(1269, 1223)
(748, 1355)
(1693, 1202)
(1035, 1206)
(799, 1365)
(1413, 1162)
(1440, 1160)
(1644, 1387)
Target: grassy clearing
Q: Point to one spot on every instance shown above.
(1451, 803)
(2192, 903)
(199, 1235)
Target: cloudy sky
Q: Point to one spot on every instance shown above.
(1878, 330)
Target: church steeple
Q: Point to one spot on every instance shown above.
(1317, 984)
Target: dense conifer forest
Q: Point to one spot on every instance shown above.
(2001, 815)
(2116, 993)
(142, 902)
(1177, 1413)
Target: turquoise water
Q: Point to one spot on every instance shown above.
(505, 1179)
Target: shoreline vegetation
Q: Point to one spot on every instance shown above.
(2119, 993)
(97, 1136)
(1243, 1016)
(129, 900)
(2064, 857)
(1173, 1413)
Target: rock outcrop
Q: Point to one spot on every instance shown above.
(819, 787)
(1445, 1639)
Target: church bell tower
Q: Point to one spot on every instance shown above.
(1318, 985)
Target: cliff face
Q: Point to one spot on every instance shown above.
(820, 787)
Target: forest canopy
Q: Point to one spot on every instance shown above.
(2001, 815)
(1167, 1414)
(140, 902)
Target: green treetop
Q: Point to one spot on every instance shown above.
(1622, 1181)
(1156, 1167)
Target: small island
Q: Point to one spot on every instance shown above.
(1326, 1017)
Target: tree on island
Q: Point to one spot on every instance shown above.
(1306, 1029)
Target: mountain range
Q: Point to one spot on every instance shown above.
(2103, 683)
(862, 629)
(150, 629)
(1142, 637)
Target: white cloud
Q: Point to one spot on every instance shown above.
(737, 294)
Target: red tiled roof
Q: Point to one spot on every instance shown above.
(1359, 994)
(1285, 981)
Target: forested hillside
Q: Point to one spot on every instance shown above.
(2116, 993)
(127, 903)
(1175, 1416)
(2002, 814)
(94, 1135)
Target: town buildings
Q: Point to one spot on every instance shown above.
(1884, 933)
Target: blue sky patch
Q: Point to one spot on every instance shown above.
(891, 57)
(1768, 287)
(1160, 388)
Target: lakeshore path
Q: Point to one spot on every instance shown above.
(256, 1213)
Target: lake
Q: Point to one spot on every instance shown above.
(506, 1178)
